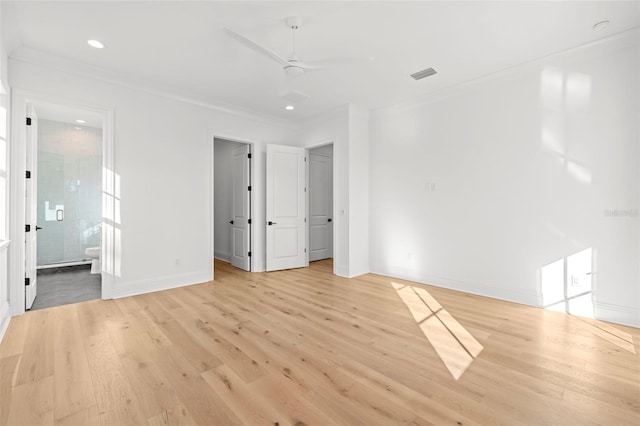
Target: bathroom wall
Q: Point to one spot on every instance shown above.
(69, 191)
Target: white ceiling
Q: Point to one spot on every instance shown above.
(181, 46)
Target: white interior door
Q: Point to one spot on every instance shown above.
(286, 204)
(241, 208)
(320, 206)
(31, 209)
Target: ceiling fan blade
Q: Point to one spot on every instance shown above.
(257, 47)
(328, 63)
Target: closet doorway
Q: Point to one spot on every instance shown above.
(321, 203)
(232, 202)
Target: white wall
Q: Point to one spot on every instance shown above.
(480, 188)
(223, 193)
(163, 161)
(358, 191)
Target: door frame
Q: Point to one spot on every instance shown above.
(252, 197)
(308, 205)
(333, 195)
(17, 168)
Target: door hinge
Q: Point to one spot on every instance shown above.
(27, 174)
(305, 250)
(249, 155)
(27, 281)
(28, 121)
(305, 159)
(249, 188)
(249, 221)
(249, 254)
(27, 228)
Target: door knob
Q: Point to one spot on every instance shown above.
(329, 220)
(38, 227)
(231, 222)
(271, 223)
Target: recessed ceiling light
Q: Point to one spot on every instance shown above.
(600, 25)
(290, 107)
(95, 43)
(80, 121)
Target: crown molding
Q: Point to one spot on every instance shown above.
(43, 59)
(617, 41)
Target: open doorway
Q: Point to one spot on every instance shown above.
(320, 203)
(232, 202)
(63, 205)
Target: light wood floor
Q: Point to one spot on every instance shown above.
(304, 347)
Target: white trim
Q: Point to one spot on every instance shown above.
(619, 314)
(225, 257)
(522, 296)
(17, 160)
(211, 138)
(337, 270)
(38, 58)
(630, 36)
(19, 101)
(357, 271)
(132, 288)
(4, 244)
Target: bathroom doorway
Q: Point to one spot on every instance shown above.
(232, 201)
(64, 175)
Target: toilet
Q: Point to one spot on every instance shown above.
(94, 254)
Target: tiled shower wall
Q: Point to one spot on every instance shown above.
(69, 191)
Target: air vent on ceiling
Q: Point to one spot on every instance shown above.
(422, 74)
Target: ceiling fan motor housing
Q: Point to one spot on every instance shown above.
(293, 70)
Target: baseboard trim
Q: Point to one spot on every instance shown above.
(523, 296)
(342, 271)
(357, 271)
(225, 257)
(618, 314)
(132, 288)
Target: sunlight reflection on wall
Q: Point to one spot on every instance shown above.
(566, 284)
(562, 95)
(111, 236)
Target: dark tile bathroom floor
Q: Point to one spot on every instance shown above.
(65, 285)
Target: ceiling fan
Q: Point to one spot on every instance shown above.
(293, 66)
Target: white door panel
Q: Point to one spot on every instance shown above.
(320, 206)
(241, 209)
(285, 233)
(31, 209)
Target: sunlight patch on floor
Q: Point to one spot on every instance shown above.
(455, 346)
(618, 337)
